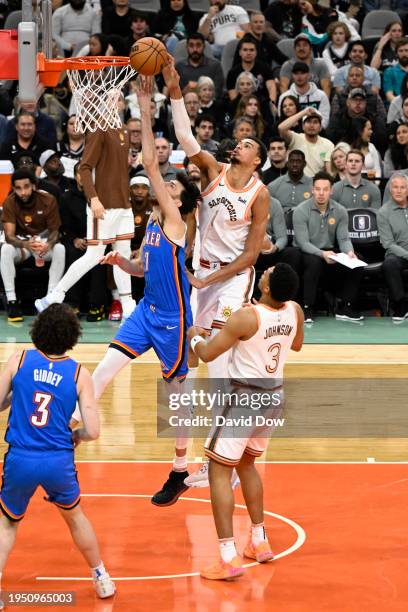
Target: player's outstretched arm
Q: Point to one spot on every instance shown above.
(6, 378)
(88, 408)
(241, 325)
(130, 266)
(204, 160)
(300, 334)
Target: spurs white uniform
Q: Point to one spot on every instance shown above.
(261, 357)
(224, 220)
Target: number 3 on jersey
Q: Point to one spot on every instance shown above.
(40, 416)
(275, 350)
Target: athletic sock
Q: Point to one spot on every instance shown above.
(115, 294)
(227, 549)
(98, 571)
(180, 463)
(258, 534)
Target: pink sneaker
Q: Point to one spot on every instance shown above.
(262, 552)
(223, 571)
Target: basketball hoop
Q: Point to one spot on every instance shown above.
(96, 84)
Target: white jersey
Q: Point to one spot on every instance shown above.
(225, 218)
(264, 355)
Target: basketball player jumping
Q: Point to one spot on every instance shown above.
(232, 221)
(251, 332)
(45, 385)
(109, 214)
(163, 315)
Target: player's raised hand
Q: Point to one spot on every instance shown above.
(144, 88)
(112, 258)
(170, 74)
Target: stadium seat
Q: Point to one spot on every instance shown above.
(180, 51)
(12, 20)
(227, 57)
(146, 6)
(286, 45)
(249, 5)
(375, 22)
(199, 6)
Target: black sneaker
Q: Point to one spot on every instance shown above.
(308, 312)
(347, 313)
(172, 489)
(400, 311)
(14, 314)
(96, 313)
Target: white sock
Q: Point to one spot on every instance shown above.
(180, 463)
(115, 294)
(258, 534)
(227, 549)
(98, 571)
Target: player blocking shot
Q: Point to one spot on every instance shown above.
(44, 384)
(258, 339)
(162, 317)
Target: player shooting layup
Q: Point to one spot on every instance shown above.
(109, 214)
(260, 338)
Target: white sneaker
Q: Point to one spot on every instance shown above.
(55, 297)
(198, 479)
(104, 586)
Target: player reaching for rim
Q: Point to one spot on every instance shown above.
(232, 219)
(162, 317)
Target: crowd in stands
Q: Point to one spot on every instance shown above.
(330, 105)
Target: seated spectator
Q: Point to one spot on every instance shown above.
(359, 137)
(163, 150)
(335, 52)
(133, 126)
(395, 108)
(223, 23)
(139, 27)
(294, 187)
(73, 206)
(402, 118)
(159, 127)
(117, 19)
(303, 53)
(289, 107)
(98, 45)
(307, 92)
(31, 224)
(139, 188)
(132, 102)
(396, 156)
(385, 52)
(204, 131)
(285, 18)
(25, 139)
(74, 23)
(44, 124)
(54, 170)
(317, 149)
(209, 105)
(315, 21)
(72, 143)
(197, 65)
(275, 248)
(354, 191)
(265, 43)
(394, 75)
(393, 231)
(339, 128)
(249, 106)
(174, 22)
(249, 62)
(338, 161)
(24, 160)
(277, 156)
(357, 55)
(320, 227)
(243, 128)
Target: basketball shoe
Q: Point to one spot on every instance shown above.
(115, 311)
(172, 489)
(199, 479)
(104, 586)
(261, 552)
(223, 571)
(51, 298)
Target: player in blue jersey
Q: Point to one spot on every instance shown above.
(162, 317)
(43, 385)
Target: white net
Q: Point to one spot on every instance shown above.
(96, 94)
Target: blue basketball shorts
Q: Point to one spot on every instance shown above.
(24, 471)
(165, 332)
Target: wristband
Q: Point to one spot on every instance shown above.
(194, 341)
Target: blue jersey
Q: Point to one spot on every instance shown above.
(166, 284)
(44, 395)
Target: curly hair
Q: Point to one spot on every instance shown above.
(56, 330)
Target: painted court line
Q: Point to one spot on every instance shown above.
(300, 540)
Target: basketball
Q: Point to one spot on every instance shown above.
(148, 55)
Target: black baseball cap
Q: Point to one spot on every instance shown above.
(357, 92)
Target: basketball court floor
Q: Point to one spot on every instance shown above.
(335, 507)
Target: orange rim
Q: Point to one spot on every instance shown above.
(95, 62)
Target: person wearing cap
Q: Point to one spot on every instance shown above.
(307, 92)
(294, 187)
(354, 191)
(320, 228)
(356, 106)
(318, 69)
(25, 159)
(317, 149)
(31, 223)
(73, 204)
(50, 162)
(355, 80)
(357, 55)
